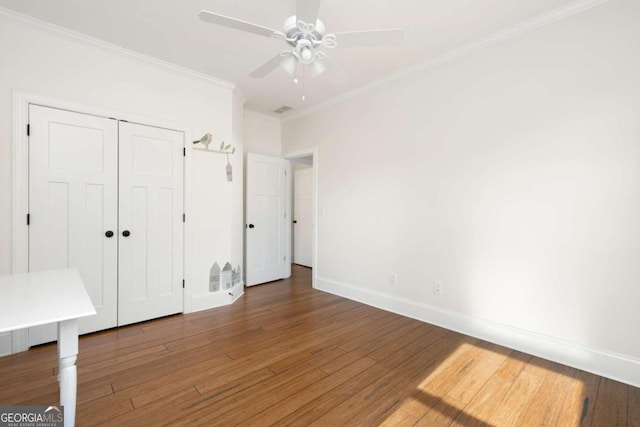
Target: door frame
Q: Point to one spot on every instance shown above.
(297, 154)
(20, 176)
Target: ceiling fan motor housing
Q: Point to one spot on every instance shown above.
(304, 38)
(294, 32)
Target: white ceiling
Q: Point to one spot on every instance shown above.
(170, 30)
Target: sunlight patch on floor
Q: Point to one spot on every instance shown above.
(482, 384)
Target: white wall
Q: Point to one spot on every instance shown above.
(511, 175)
(46, 62)
(262, 134)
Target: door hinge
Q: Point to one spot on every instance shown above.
(182, 283)
(28, 130)
(184, 151)
(28, 219)
(184, 217)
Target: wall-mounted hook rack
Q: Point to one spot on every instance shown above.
(212, 151)
(224, 149)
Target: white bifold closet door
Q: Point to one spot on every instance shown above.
(150, 217)
(106, 198)
(73, 203)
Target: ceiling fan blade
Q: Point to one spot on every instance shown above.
(234, 23)
(267, 67)
(339, 73)
(370, 38)
(307, 11)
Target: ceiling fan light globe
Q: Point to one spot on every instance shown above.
(317, 68)
(289, 64)
(306, 54)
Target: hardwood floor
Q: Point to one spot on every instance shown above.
(286, 354)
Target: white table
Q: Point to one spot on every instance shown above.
(34, 299)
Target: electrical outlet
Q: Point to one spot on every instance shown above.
(393, 279)
(437, 288)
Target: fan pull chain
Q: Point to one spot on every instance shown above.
(303, 80)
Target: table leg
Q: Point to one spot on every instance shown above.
(67, 375)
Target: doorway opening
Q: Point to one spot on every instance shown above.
(303, 191)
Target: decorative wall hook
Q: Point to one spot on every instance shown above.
(224, 149)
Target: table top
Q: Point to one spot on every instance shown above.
(34, 299)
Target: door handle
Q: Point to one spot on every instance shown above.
(251, 226)
(295, 221)
(109, 234)
(126, 233)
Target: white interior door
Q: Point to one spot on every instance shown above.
(266, 219)
(151, 225)
(303, 217)
(73, 167)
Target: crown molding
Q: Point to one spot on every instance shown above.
(238, 94)
(464, 50)
(47, 26)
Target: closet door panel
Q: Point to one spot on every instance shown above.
(151, 228)
(73, 164)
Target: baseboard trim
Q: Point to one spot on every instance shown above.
(211, 300)
(236, 291)
(607, 364)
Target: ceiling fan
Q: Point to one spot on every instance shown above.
(305, 36)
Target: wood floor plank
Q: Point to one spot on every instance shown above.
(312, 411)
(489, 398)
(288, 354)
(99, 412)
(580, 398)
(476, 375)
(362, 402)
(405, 340)
(445, 375)
(258, 398)
(611, 404)
(443, 412)
(484, 404)
(519, 396)
(513, 366)
(154, 414)
(633, 407)
(440, 398)
(305, 359)
(16, 386)
(181, 364)
(276, 412)
(544, 409)
(340, 362)
(158, 387)
(399, 418)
